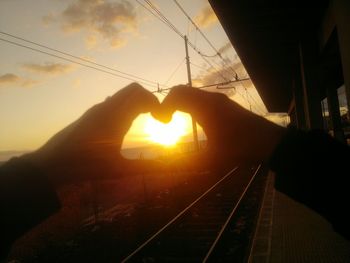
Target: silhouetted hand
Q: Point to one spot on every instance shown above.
(90, 146)
(86, 150)
(233, 133)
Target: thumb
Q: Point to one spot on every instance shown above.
(200, 104)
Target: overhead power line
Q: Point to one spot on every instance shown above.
(159, 90)
(75, 62)
(78, 58)
(200, 67)
(258, 105)
(217, 53)
(112, 71)
(163, 18)
(157, 13)
(175, 70)
(221, 83)
(206, 86)
(153, 84)
(160, 16)
(150, 11)
(197, 28)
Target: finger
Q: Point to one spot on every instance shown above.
(131, 101)
(223, 121)
(174, 101)
(102, 128)
(200, 104)
(210, 110)
(112, 118)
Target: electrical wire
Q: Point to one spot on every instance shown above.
(163, 18)
(258, 105)
(203, 35)
(128, 76)
(174, 72)
(149, 10)
(220, 84)
(74, 62)
(197, 28)
(167, 22)
(101, 70)
(200, 67)
(204, 86)
(76, 57)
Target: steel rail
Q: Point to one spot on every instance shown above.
(230, 216)
(177, 216)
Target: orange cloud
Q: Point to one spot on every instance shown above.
(225, 48)
(48, 19)
(224, 73)
(100, 19)
(48, 68)
(206, 17)
(10, 79)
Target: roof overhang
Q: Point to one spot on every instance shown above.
(265, 35)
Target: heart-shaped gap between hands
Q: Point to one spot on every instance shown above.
(149, 138)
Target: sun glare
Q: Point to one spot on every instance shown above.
(166, 134)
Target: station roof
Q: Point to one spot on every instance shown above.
(266, 35)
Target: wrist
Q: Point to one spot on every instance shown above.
(26, 198)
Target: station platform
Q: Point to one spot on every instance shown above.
(288, 231)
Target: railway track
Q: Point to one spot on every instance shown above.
(201, 232)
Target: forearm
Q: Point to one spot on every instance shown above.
(311, 167)
(26, 199)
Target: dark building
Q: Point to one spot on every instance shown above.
(297, 54)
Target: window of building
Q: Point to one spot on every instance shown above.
(327, 124)
(344, 112)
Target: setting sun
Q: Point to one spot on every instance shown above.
(166, 134)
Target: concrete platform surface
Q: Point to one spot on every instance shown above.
(288, 231)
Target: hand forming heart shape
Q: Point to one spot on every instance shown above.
(89, 148)
(91, 145)
(233, 132)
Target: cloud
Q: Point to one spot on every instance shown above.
(10, 79)
(76, 83)
(91, 41)
(206, 17)
(218, 75)
(101, 19)
(225, 48)
(222, 74)
(212, 76)
(29, 82)
(48, 19)
(48, 68)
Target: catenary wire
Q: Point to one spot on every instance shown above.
(131, 77)
(74, 62)
(174, 72)
(167, 22)
(76, 57)
(203, 35)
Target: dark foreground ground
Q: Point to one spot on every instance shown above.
(105, 221)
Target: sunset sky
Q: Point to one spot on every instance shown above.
(41, 94)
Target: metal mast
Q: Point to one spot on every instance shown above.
(194, 125)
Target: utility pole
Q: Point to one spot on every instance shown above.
(194, 125)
